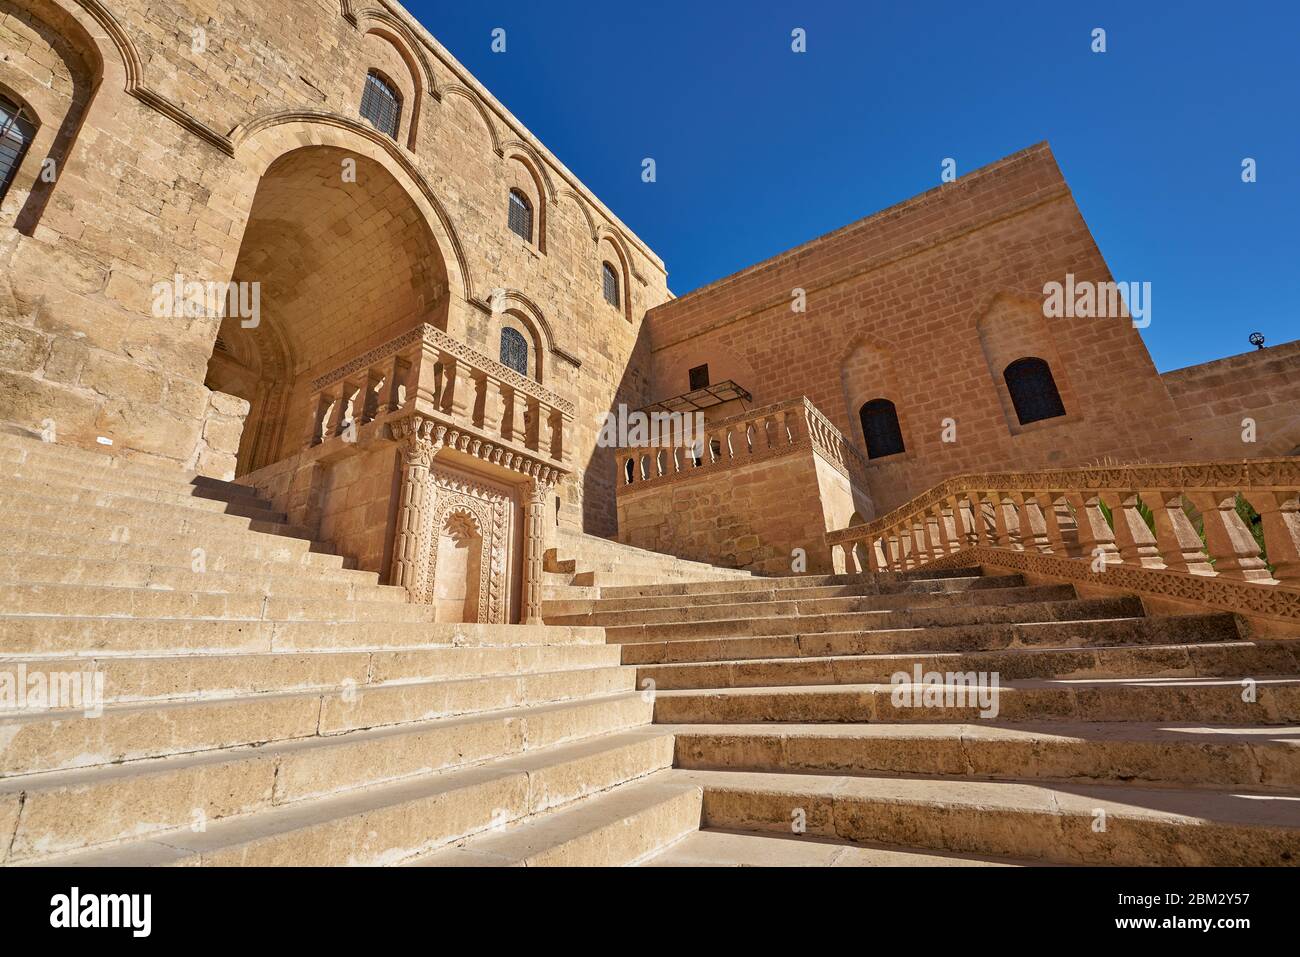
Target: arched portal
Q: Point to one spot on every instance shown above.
(336, 258)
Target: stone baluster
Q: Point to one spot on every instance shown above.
(458, 391)
(936, 533)
(373, 398)
(318, 428)
(1179, 546)
(876, 555)
(893, 552)
(1279, 513)
(398, 383)
(488, 412)
(984, 517)
(1228, 541)
(1096, 540)
(1033, 524)
(512, 414)
(962, 532)
(1133, 539)
(1006, 525)
(1054, 541)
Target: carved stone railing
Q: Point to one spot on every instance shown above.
(1053, 522)
(488, 406)
(752, 436)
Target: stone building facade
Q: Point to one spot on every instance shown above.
(427, 315)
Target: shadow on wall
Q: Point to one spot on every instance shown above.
(599, 509)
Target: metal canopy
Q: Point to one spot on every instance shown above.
(699, 399)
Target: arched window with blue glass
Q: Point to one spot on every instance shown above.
(514, 350)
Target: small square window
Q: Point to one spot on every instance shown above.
(699, 377)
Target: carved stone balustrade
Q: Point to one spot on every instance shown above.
(752, 436)
(484, 407)
(1055, 522)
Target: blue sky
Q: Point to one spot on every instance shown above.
(759, 149)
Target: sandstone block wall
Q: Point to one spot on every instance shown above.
(1213, 399)
(925, 304)
(166, 117)
(753, 516)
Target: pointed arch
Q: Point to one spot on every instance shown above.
(525, 154)
(524, 174)
(385, 26)
(619, 241)
(261, 141)
(457, 89)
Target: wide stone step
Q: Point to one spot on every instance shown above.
(818, 606)
(1276, 701)
(60, 812)
(1030, 611)
(624, 576)
(109, 602)
(128, 679)
(133, 514)
(581, 547)
(240, 536)
(622, 827)
(1219, 659)
(598, 603)
(83, 490)
(1182, 629)
(105, 463)
(91, 468)
(250, 554)
(391, 823)
(1128, 754)
(47, 569)
(1065, 824)
(792, 581)
(61, 740)
(732, 848)
(62, 636)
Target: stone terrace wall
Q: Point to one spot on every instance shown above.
(925, 304)
(157, 171)
(750, 517)
(1213, 398)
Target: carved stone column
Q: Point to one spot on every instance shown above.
(535, 524)
(411, 543)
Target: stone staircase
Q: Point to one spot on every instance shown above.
(1120, 738)
(580, 565)
(265, 704)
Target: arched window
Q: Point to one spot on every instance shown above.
(880, 428)
(1033, 390)
(514, 350)
(16, 132)
(610, 278)
(381, 104)
(521, 216)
